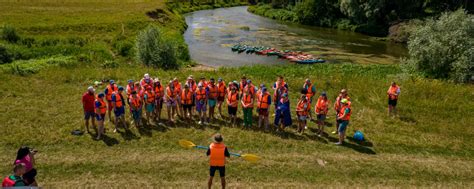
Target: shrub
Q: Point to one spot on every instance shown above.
(5, 56)
(153, 50)
(9, 34)
(32, 66)
(110, 64)
(443, 48)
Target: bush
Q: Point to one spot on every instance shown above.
(443, 48)
(9, 34)
(5, 56)
(110, 64)
(32, 66)
(153, 50)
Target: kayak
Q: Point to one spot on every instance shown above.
(313, 61)
(272, 53)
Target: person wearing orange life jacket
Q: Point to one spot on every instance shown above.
(221, 93)
(130, 87)
(264, 100)
(177, 91)
(119, 108)
(186, 101)
(232, 104)
(149, 99)
(393, 92)
(15, 180)
(159, 94)
(242, 85)
(280, 88)
(321, 110)
(310, 91)
(100, 111)
(135, 102)
(146, 81)
(302, 110)
(344, 115)
(247, 101)
(192, 87)
(337, 106)
(217, 153)
(250, 87)
(112, 87)
(212, 98)
(171, 99)
(201, 96)
(203, 82)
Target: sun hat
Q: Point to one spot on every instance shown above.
(90, 89)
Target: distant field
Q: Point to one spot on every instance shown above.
(430, 145)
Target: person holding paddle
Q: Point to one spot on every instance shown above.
(217, 153)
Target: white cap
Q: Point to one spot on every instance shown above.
(91, 89)
(146, 76)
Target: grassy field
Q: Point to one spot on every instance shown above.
(429, 145)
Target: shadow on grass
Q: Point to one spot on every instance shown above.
(407, 119)
(128, 135)
(365, 143)
(109, 141)
(354, 146)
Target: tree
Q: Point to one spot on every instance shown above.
(153, 50)
(443, 48)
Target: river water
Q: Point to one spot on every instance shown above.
(211, 33)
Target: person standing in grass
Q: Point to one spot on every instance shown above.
(159, 94)
(247, 107)
(15, 180)
(26, 156)
(217, 153)
(242, 85)
(171, 101)
(100, 112)
(130, 87)
(344, 115)
(192, 87)
(118, 103)
(146, 81)
(310, 90)
(201, 96)
(393, 92)
(337, 106)
(232, 104)
(283, 113)
(280, 88)
(212, 98)
(135, 102)
(88, 99)
(177, 90)
(149, 99)
(221, 92)
(264, 100)
(111, 88)
(302, 109)
(186, 102)
(321, 110)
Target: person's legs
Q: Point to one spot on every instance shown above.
(87, 116)
(173, 112)
(223, 182)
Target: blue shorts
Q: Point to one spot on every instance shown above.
(136, 114)
(200, 106)
(213, 169)
(100, 117)
(119, 111)
(150, 107)
(88, 115)
(212, 102)
(343, 126)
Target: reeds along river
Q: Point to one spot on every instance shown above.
(211, 33)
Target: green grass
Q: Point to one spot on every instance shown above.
(429, 145)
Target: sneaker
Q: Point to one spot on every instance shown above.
(200, 123)
(115, 130)
(338, 143)
(334, 132)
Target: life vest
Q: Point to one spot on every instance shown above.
(192, 85)
(201, 94)
(159, 91)
(262, 102)
(232, 99)
(102, 107)
(171, 93)
(341, 113)
(309, 90)
(11, 181)
(177, 87)
(303, 107)
(250, 88)
(118, 100)
(242, 86)
(187, 98)
(247, 99)
(217, 156)
(110, 90)
(393, 90)
(204, 84)
(130, 89)
(321, 106)
(150, 97)
(212, 91)
(135, 101)
(221, 89)
(338, 104)
(144, 83)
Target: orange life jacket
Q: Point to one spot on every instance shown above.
(177, 87)
(135, 101)
(212, 91)
(262, 102)
(341, 113)
(337, 104)
(301, 109)
(242, 86)
(144, 84)
(221, 89)
(251, 88)
(200, 94)
(309, 92)
(150, 97)
(393, 90)
(321, 106)
(247, 100)
(217, 156)
(170, 93)
(130, 89)
(159, 92)
(110, 90)
(232, 99)
(102, 107)
(118, 100)
(187, 98)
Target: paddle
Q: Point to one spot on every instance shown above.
(249, 157)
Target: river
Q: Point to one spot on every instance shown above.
(211, 33)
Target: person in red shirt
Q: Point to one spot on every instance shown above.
(88, 99)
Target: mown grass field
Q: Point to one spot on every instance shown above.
(429, 145)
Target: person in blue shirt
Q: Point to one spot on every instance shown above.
(283, 113)
(118, 103)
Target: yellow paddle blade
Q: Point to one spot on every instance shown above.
(251, 157)
(186, 143)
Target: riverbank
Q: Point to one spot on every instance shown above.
(429, 145)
